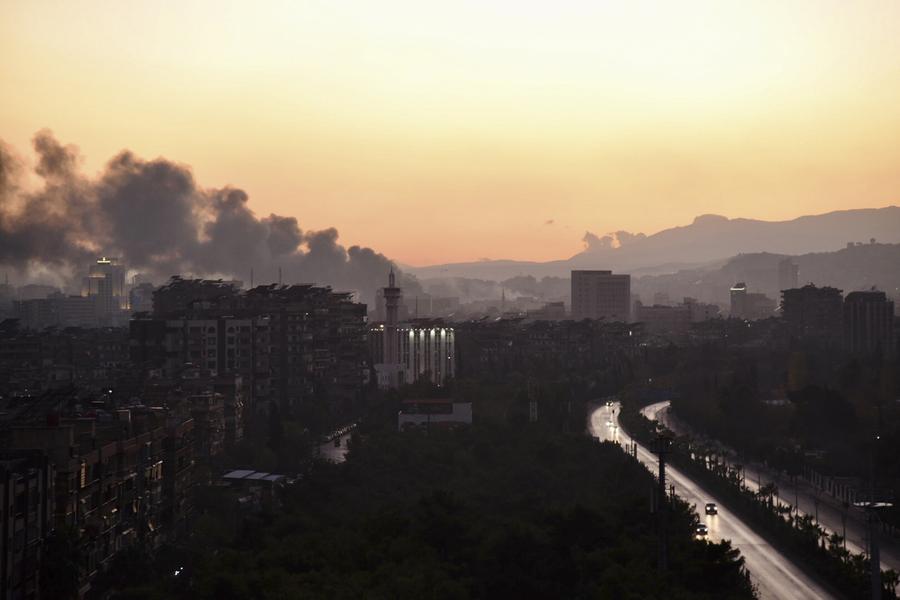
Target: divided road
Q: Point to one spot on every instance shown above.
(830, 516)
(773, 574)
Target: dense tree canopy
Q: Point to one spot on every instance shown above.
(488, 512)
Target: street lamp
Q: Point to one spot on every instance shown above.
(844, 506)
(872, 507)
(661, 448)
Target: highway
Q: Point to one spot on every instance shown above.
(830, 516)
(773, 574)
(336, 454)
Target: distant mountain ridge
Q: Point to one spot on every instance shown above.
(707, 239)
(858, 267)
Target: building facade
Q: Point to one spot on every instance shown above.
(26, 519)
(788, 274)
(105, 283)
(750, 306)
(288, 344)
(426, 351)
(405, 352)
(869, 324)
(434, 412)
(659, 319)
(814, 313)
(600, 295)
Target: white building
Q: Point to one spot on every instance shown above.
(433, 412)
(408, 352)
(426, 350)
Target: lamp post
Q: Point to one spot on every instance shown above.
(872, 507)
(844, 506)
(661, 448)
(796, 496)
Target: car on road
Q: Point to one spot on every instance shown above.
(701, 531)
(711, 508)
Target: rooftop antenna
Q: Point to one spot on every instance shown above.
(251, 278)
(279, 275)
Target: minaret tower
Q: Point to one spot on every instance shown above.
(392, 298)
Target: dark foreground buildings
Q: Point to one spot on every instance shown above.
(26, 513)
(290, 345)
(869, 324)
(105, 433)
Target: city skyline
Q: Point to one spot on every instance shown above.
(543, 123)
(417, 299)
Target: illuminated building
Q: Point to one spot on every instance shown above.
(407, 352)
(106, 283)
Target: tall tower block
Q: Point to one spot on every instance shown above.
(392, 298)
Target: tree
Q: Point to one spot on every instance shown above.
(60, 560)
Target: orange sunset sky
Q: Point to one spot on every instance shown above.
(450, 131)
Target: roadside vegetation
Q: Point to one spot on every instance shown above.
(800, 537)
(504, 509)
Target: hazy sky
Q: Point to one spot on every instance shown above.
(448, 131)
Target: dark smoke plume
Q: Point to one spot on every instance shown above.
(159, 222)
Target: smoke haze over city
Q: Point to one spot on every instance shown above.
(551, 120)
(417, 299)
(159, 221)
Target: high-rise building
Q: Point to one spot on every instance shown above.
(814, 312)
(58, 310)
(140, 298)
(7, 295)
(392, 298)
(387, 358)
(739, 300)
(105, 479)
(292, 345)
(750, 306)
(600, 295)
(788, 274)
(106, 282)
(26, 518)
(869, 324)
(35, 313)
(35, 291)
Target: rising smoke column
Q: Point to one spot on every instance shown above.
(154, 216)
